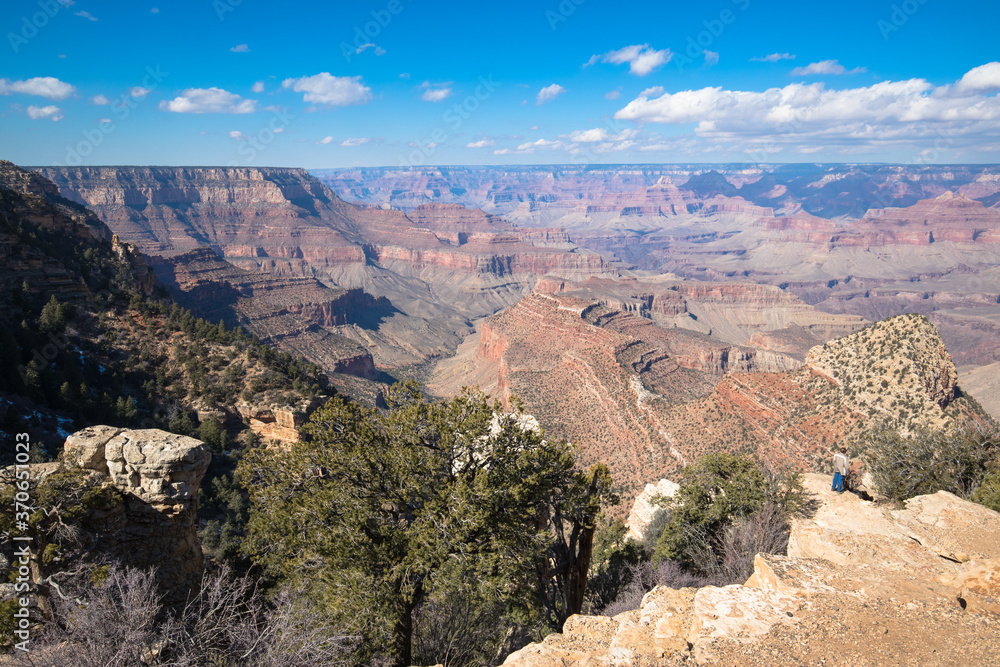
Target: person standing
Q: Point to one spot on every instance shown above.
(841, 465)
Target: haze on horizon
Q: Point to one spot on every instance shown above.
(401, 82)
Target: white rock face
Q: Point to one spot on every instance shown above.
(645, 511)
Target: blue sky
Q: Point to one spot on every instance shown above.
(396, 82)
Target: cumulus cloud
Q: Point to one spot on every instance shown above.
(237, 135)
(337, 91)
(258, 87)
(325, 140)
(711, 57)
(613, 94)
(641, 58)
(435, 92)
(826, 67)
(100, 100)
(482, 143)
(355, 141)
(52, 112)
(773, 58)
(138, 92)
(898, 112)
(549, 93)
(209, 100)
(240, 48)
(48, 87)
(982, 79)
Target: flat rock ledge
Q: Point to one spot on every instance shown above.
(863, 584)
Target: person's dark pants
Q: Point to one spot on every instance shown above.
(838, 482)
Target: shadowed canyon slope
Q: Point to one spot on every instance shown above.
(620, 369)
(440, 267)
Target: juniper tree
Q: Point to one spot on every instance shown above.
(373, 509)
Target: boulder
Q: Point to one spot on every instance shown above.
(645, 511)
(85, 448)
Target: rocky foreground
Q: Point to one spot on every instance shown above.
(864, 583)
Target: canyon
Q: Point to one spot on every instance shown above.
(440, 267)
(867, 240)
(647, 395)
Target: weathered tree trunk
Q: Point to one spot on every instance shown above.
(576, 576)
(403, 631)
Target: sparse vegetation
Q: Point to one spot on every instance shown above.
(923, 461)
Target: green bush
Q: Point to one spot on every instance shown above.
(925, 461)
(726, 511)
(988, 492)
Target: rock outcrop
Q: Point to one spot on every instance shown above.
(159, 475)
(863, 584)
(648, 398)
(644, 511)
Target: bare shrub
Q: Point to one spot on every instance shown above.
(120, 621)
(765, 531)
(646, 576)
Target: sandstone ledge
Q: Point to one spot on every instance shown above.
(864, 584)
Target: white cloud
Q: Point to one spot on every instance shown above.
(982, 79)
(237, 135)
(86, 15)
(613, 94)
(598, 134)
(436, 94)
(258, 87)
(711, 57)
(482, 143)
(325, 140)
(209, 100)
(773, 58)
(338, 91)
(139, 92)
(826, 67)
(43, 86)
(52, 112)
(641, 58)
(549, 93)
(355, 141)
(902, 113)
(379, 51)
(240, 48)
(99, 100)
(154, 10)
